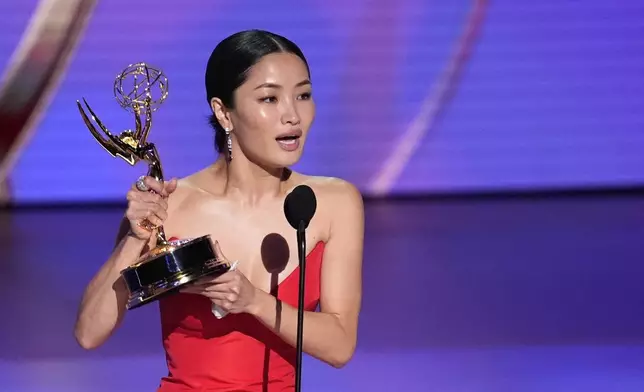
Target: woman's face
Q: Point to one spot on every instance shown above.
(273, 112)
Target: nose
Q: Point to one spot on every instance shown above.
(290, 114)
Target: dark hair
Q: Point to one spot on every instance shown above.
(230, 62)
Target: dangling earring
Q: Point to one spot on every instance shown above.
(229, 143)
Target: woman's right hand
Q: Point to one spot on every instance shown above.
(148, 207)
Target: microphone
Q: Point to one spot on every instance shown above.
(299, 208)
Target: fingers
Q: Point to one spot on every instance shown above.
(150, 205)
(153, 212)
(230, 277)
(146, 208)
(226, 282)
(154, 186)
(218, 253)
(215, 292)
(140, 218)
(171, 186)
(230, 291)
(203, 289)
(149, 224)
(147, 197)
(225, 301)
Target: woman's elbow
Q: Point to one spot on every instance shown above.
(86, 343)
(342, 355)
(85, 339)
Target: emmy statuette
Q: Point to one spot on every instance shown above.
(171, 264)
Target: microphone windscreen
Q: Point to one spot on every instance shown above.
(300, 206)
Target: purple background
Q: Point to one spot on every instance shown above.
(551, 95)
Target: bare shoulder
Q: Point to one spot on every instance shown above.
(188, 191)
(335, 189)
(338, 198)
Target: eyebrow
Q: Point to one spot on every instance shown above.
(275, 85)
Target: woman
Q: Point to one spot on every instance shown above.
(258, 86)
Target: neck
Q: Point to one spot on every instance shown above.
(249, 182)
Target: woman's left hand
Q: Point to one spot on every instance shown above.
(232, 291)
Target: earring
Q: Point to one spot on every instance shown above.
(229, 143)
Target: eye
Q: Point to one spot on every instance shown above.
(304, 96)
(269, 99)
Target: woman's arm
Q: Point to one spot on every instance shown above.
(103, 304)
(331, 334)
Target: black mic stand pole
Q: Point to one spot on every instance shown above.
(301, 253)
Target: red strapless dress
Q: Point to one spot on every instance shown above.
(237, 352)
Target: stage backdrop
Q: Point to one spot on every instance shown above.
(414, 96)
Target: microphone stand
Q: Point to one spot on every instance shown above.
(301, 253)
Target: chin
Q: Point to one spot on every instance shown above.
(287, 160)
(277, 158)
(289, 155)
(283, 159)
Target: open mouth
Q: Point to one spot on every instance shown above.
(291, 139)
(290, 142)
